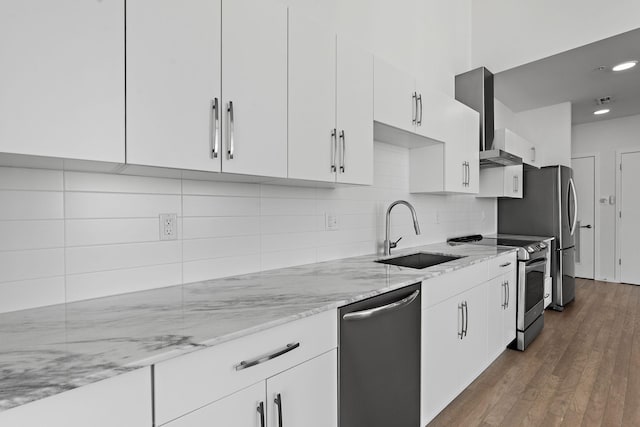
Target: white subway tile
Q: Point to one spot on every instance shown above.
(26, 205)
(83, 232)
(288, 207)
(30, 179)
(283, 259)
(31, 293)
(20, 235)
(345, 250)
(196, 271)
(85, 259)
(220, 247)
(114, 282)
(105, 205)
(288, 241)
(33, 264)
(111, 183)
(203, 227)
(291, 223)
(287, 192)
(220, 206)
(219, 188)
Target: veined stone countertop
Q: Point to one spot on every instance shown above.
(49, 350)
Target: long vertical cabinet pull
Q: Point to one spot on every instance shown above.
(414, 99)
(278, 402)
(468, 174)
(334, 149)
(215, 111)
(466, 318)
(419, 116)
(260, 410)
(461, 308)
(231, 146)
(464, 174)
(506, 286)
(343, 151)
(515, 184)
(504, 296)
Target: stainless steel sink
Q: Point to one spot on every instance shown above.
(419, 260)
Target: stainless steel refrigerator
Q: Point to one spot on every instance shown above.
(548, 208)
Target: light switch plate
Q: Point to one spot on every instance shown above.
(168, 226)
(330, 221)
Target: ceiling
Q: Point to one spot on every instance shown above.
(575, 76)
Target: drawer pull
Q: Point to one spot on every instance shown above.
(506, 264)
(266, 357)
(278, 402)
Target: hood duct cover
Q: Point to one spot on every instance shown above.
(475, 89)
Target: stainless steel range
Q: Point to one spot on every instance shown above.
(532, 270)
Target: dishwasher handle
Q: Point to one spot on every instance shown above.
(364, 314)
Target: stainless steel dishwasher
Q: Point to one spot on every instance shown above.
(379, 360)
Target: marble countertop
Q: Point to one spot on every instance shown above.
(49, 350)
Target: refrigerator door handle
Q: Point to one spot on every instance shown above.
(572, 186)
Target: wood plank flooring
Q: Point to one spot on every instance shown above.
(583, 369)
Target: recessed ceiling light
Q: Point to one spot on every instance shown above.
(625, 66)
(603, 111)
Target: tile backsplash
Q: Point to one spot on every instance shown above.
(68, 236)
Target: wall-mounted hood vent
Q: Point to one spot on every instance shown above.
(475, 89)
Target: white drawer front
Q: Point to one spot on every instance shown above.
(502, 264)
(191, 381)
(447, 285)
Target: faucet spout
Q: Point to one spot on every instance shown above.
(388, 244)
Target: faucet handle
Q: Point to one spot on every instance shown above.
(393, 245)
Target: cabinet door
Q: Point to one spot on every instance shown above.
(436, 116)
(62, 79)
(462, 167)
(354, 113)
(124, 400)
(241, 409)
(254, 73)
(173, 80)
(496, 307)
(513, 181)
(394, 97)
(307, 394)
(312, 100)
(473, 347)
(509, 323)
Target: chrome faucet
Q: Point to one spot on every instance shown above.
(388, 245)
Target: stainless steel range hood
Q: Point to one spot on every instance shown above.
(475, 89)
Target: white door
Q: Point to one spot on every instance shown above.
(354, 113)
(254, 78)
(629, 224)
(584, 177)
(312, 100)
(241, 409)
(62, 78)
(395, 101)
(173, 83)
(306, 395)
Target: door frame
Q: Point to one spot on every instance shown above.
(619, 153)
(596, 210)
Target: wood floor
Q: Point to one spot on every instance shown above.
(583, 369)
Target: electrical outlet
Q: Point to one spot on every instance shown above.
(168, 226)
(330, 221)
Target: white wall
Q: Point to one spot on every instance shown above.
(508, 33)
(70, 236)
(604, 138)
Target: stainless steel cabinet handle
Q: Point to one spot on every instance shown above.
(260, 410)
(420, 116)
(278, 402)
(515, 184)
(215, 110)
(506, 264)
(414, 100)
(461, 308)
(507, 287)
(343, 151)
(334, 149)
(266, 357)
(464, 174)
(468, 174)
(466, 318)
(231, 146)
(533, 158)
(357, 315)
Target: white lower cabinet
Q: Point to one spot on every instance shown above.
(502, 313)
(123, 401)
(454, 337)
(305, 395)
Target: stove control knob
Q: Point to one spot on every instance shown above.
(529, 249)
(543, 246)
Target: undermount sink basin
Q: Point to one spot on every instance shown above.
(418, 260)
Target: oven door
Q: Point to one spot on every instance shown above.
(531, 276)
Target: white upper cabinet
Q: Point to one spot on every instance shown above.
(354, 122)
(507, 140)
(395, 100)
(62, 79)
(503, 181)
(206, 96)
(254, 87)
(173, 83)
(312, 100)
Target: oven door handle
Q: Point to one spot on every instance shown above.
(535, 264)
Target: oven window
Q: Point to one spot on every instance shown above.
(534, 287)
